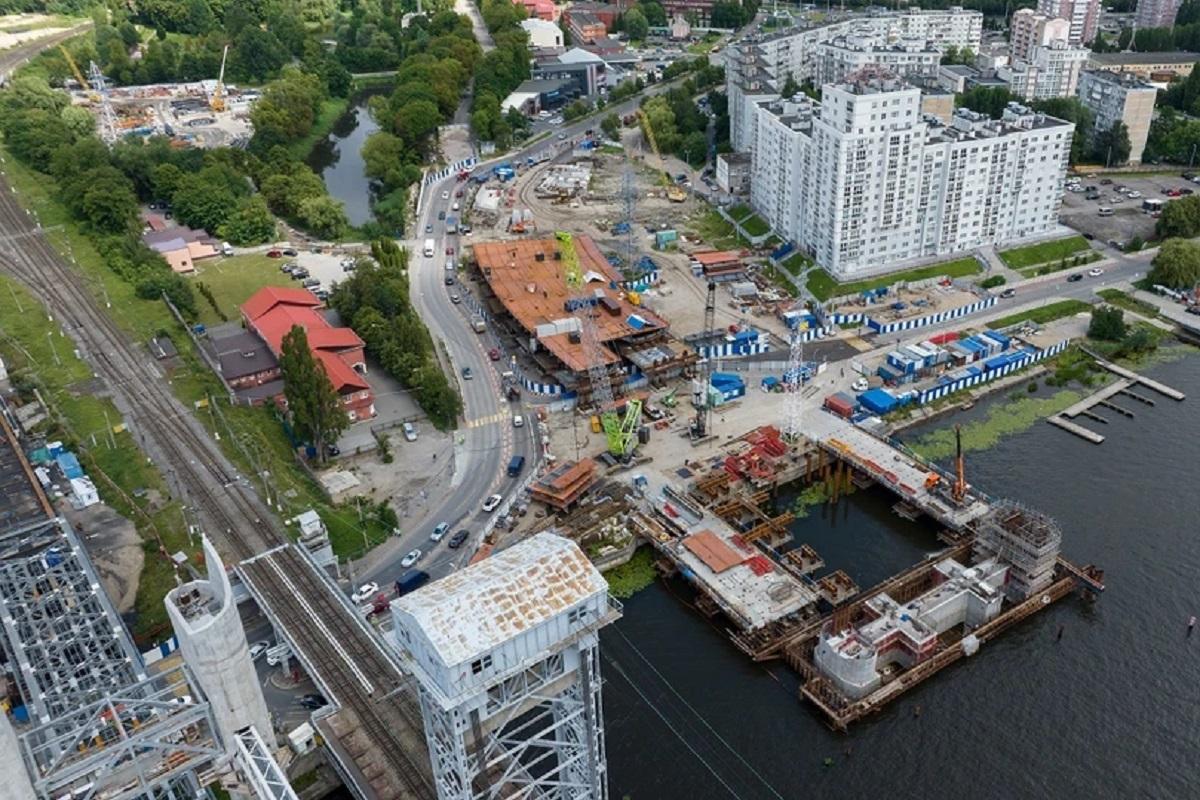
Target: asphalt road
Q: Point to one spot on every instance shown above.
(14, 57)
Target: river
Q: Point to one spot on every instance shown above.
(338, 159)
(1110, 711)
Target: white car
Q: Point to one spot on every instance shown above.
(1095, 272)
(439, 532)
(446, 195)
(492, 502)
(257, 649)
(410, 432)
(518, 421)
(1135, 195)
(413, 557)
(365, 592)
(860, 384)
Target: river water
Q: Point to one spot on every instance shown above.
(338, 160)
(1110, 711)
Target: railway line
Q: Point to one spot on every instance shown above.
(344, 657)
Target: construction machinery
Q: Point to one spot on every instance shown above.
(82, 81)
(675, 193)
(702, 422)
(959, 491)
(619, 430)
(217, 101)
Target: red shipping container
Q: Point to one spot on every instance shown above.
(840, 404)
(942, 338)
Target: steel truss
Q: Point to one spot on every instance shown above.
(59, 626)
(539, 734)
(135, 742)
(262, 771)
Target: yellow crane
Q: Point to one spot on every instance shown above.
(675, 193)
(217, 103)
(83, 84)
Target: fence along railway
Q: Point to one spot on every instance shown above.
(376, 721)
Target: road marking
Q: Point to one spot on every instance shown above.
(481, 421)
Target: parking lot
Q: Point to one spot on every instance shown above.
(1121, 194)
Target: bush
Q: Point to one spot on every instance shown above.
(1108, 324)
(993, 282)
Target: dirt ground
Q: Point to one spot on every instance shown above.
(918, 303)
(113, 544)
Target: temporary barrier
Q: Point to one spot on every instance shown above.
(1021, 361)
(929, 319)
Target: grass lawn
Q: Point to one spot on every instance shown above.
(1119, 298)
(1044, 314)
(713, 229)
(1062, 264)
(705, 45)
(780, 280)
(327, 116)
(795, 264)
(823, 286)
(1043, 252)
(740, 212)
(755, 226)
(232, 281)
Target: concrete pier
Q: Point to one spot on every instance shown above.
(1130, 375)
(1080, 431)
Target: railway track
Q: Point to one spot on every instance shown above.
(346, 659)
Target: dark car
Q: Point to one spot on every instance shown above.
(441, 215)
(1007, 293)
(274, 254)
(457, 539)
(467, 373)
(1106, 181)
(1089, 236)
(313, 701)
(291, 252)
(1078, 276)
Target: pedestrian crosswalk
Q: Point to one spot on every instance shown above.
(481, 421)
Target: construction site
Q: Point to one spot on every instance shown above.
(204, 114)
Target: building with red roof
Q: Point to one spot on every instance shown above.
(274, 310)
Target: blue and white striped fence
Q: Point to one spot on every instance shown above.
(935, 392)
(641, 284)
(457, 166)
(545, 389)
(734, 349)
(160, 652)
(847, 319)
(813, 333)
(929, 319)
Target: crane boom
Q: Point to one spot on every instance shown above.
(218, 96)
(674, 193)
(78, 73)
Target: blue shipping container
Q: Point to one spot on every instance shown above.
(878, 401)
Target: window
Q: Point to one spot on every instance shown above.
(576, 615)
(481, 664)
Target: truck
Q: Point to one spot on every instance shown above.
(429, 248)
(451, 225)
(411, 581)
(477, 324)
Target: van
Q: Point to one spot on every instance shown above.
(1105, 211)
(226, 249)
(515, 466)
(411, 581)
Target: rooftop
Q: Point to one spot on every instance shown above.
(470, 612)
(1175, 56)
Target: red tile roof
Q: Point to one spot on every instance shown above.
(268, 297)
(339, 373)
(333, 338)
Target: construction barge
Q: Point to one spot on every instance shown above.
(855, 651)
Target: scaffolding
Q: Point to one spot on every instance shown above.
(1027, 540)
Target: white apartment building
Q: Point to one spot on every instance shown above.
(1050, 71)
(865, 183)
(1029, 29)
(1084, 16)
(841, 57)
(1116, 97)
(758, 66)
(1156, 13)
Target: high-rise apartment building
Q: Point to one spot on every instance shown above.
(841, 57)
(1084, 16)
(1029, 29)
(1114, 97)
(865, 183)
(1156, 13)
(1050, 71)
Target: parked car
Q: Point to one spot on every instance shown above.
(257, 649)
(492, 502)
(458, 538)
(429, 227)
(494, 354)
(446, 195)
(290, 252)
(274, 254)
(287, 267)
(310, 283)
(439, 532)
(450, 251)
(1095, 272)
(412, 557)
(454, 298)
(467, 374)
(518, 421)
(860, 384)
(313, 701)
(441, 215)
(410, 431)
(365, 592)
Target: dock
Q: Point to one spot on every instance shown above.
(1128, 374)
(1123, 386)
(1084, 433)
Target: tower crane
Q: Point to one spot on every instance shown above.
(217, 101)
(674, 193)
(82, 81)
(621, 433)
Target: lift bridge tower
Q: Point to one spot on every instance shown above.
(507, 656)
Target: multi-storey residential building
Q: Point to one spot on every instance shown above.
(1051, 70)
(1084, 16)
(1029, 30)
(756, 69)
(1156, 13)
(1114, 97)
(841, 57)
(865, 183)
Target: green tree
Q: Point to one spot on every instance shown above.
(635, 24)
(1180, 218)
(611, 125)
(257, 55)
(693, 148)
(164, 179)
(250, 223)
(201, 203)
(314, 406)
(1108, 324)
(990, 100)
(1177, 264)
(108, 203)
(1112, 145)
(576, 109)
(656, 17)
(286, 109)
(79, 123)
(285, 191)
(323, 216)
(790, 87)
(416, 121)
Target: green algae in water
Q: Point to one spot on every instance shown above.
(631, 577)
(1003, 419)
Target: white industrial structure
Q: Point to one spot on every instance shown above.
(209, 629)
(855, 658)
(506, 653)
(865, 152)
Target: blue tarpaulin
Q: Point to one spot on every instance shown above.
(69, 464)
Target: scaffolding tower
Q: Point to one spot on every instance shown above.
(108, 119)
(506, 653)
(793, 403)
(1027, 540)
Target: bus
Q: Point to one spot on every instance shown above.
(429, 248)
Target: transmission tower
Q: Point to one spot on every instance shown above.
(793, 383)
(108, 120)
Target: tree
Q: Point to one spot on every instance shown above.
(1112, 145)
(108, 202)
(694, 148)
(1108, 324)
(611, 125)
(323, 216)
(1177, 264)
(635, 24)
(201, 203)
(314, 406)
(287, 108)
(576, 109)
(656, 17)
(416, 121)
(1180, 218)
(990, 100)
(257, 55)
(250, 223)
(790, 87)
